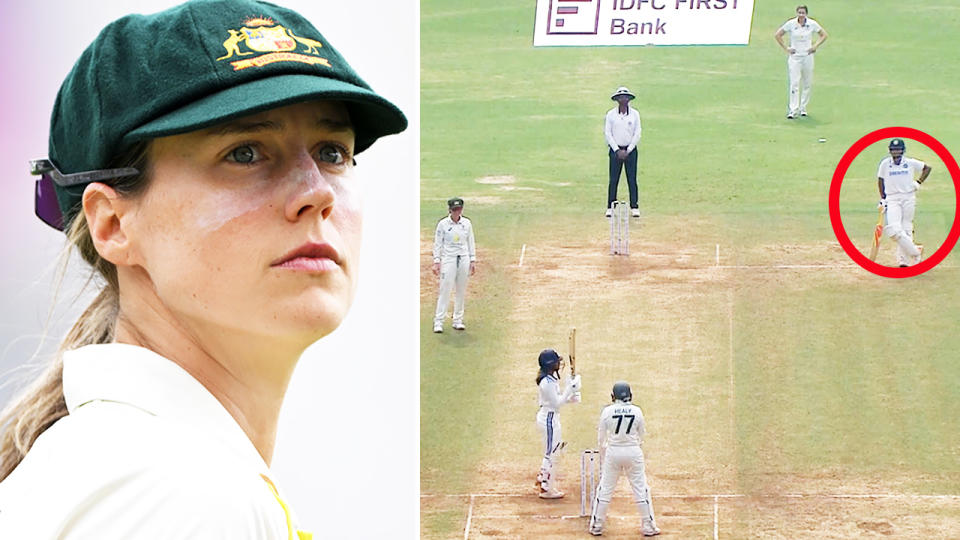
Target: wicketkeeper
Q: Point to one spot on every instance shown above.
(619, 438)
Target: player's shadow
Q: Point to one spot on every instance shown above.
(808, 122)
(461, 339)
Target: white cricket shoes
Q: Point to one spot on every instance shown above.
(594, 531)
(458, 325)
(790, 116)
(438, 328)
(916, 260)
(912, 261)
(636, 212)
(649, 528)
(551, 493)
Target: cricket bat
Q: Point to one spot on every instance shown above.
(877, 233)
(573, 360)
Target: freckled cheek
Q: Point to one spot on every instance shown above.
(216, 232)
(347, 219)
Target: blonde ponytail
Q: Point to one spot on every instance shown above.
(42, 403)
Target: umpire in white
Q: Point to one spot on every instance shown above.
(619, 438)
(454, 260)
(621, 129)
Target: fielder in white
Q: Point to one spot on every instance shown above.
(800, 59)
(548, 418)
(619, 438)
(898, 198)
(454, 260)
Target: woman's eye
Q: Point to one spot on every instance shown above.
(243, 154)
(332, 154)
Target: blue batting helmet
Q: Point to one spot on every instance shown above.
(621, 391)
(549, 361)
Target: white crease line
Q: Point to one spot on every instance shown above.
(947, 497)
(802, 266)
(733, 394)
(717, 264)
(716, 518)
(466, 529)
(732, 405)
(548, 516)
(787, 266)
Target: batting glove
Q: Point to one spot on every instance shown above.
(882, 204)
(916, 185)
(575, 383)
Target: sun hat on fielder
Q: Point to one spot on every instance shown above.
(193, 66)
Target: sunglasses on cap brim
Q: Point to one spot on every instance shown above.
(46, 205)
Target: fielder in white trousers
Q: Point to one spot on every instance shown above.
(800, 59)
(454, 257)
(800, 70)
(626, 460)
(454, 272)
(619, 438)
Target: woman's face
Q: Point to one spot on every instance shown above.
(255, 225)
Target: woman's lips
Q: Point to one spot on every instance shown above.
(314, 257)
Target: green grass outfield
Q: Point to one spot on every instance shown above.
(830, 372)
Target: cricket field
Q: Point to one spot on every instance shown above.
(788, 392)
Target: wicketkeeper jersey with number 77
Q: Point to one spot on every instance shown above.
(621, 424)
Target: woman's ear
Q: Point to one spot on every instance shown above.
(104, 210)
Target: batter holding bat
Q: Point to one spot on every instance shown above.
(898, 199)
(619, 438)
(548, 419)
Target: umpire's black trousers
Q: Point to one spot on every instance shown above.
(615, 167)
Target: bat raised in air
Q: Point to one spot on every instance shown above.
(877, 233)
(573, 351)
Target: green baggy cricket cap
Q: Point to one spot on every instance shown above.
(194, 66)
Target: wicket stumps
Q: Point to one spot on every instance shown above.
(620, 228)
(589, 475)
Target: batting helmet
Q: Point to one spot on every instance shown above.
(621, 391)
(897, 144)
(549, 361)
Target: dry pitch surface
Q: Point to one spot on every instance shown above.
(670, 319)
